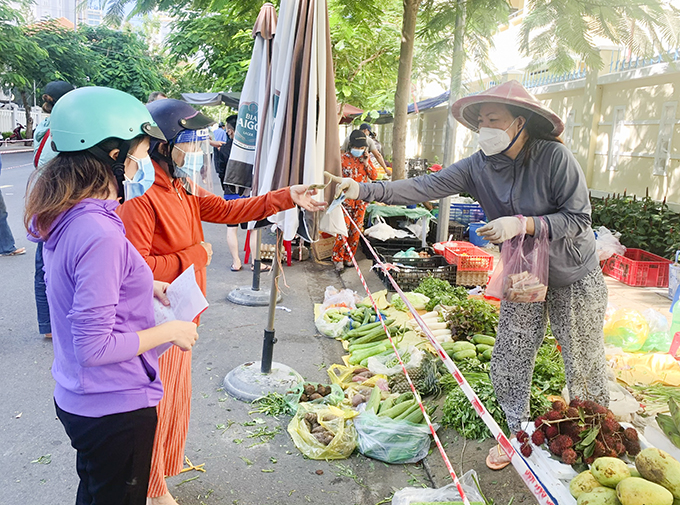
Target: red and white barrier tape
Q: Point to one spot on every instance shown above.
(408, 378)
(526, 474)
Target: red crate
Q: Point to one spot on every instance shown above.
(638, 267)
(468, 257)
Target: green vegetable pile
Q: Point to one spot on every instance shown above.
(440, 292)
(469, 317)
(459, 414)
(418, 300)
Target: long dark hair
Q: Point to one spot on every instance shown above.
(65, 181)
(536, 129)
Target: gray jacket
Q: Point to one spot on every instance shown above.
(551, 185)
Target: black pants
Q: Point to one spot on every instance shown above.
(114, 455)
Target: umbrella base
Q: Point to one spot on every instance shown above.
(247, 383)
(245, 295)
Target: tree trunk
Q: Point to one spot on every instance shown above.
(29, 118)
(401, 97)
(450, 129)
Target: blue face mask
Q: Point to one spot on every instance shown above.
(142, 180)
(193, 163)
(357, 153)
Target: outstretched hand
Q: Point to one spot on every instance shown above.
(302, 197)
(345, 185)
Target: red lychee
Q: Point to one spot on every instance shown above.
(526, 450)
(610, 426)
(560, 444)
(632, 446)
(559, 405)
(569, 456)
(631, 434)
(571, 412)
(576, 402)
(537, 437)
(551, 432)
(553, 415)
(599, 450)
(589, 460)
(538, 422)
(522, 436)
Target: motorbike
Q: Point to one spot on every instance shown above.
(16, 133)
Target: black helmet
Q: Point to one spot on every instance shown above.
(172, 116)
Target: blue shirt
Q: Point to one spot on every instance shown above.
(220, 135)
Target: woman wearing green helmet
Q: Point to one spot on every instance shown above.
(100, 291)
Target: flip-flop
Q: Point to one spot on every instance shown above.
(497, 466)
(234, 269)
(263, 267)
(16, 252)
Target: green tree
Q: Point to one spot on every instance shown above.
(123, 62)
(562, 34)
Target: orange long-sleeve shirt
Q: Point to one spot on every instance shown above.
(164, 224)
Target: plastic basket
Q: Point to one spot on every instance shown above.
(391, 246)
(468, 257)
(466, 213)
(433, 261)
(471, 278)
(638, 267)
(409, 277)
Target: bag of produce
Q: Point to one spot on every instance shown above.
(352, 375)
(391, 440)
(323, 432)
(314, 393)
(522, 274)
(413, 495)
(389, 365)
(332, 323)
(627, 329)
(345, 298)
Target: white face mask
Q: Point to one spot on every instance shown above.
(493, 141)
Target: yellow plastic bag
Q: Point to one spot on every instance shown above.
(342, 376)
(627, 329)
(336, 420)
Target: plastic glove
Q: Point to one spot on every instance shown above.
(345, 185)
(502, 229)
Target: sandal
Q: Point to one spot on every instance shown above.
(234, 269)
(497, 461)
(16, 252)
(263, 267)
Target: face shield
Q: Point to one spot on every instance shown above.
(191, 159)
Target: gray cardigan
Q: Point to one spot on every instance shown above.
(551, 185)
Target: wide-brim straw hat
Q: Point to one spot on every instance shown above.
(466, 109)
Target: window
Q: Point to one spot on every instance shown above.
(616, 139)
(664, 141)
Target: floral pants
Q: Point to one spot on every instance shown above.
(576, 315)
(356, 209)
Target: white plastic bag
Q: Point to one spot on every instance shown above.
(376, 364)
(410, 495)
(331, 330)
(383, 231)
(339, 298)
(656, 320)
(607, 244)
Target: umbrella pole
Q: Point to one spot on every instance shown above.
(270, 332)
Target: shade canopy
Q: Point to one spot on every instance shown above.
(228, 98)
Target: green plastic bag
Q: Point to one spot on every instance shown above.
(334, 398)
(390, 440)
(334, 419)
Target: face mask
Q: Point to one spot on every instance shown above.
(357, 153)
(493, 141)
(193, 162)
(142, 180)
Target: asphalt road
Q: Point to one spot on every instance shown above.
(39, 464)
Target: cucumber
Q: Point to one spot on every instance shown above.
(483, 339)
(386, 405)
(461, 346)
(415, 417)
(487, 354)
(397, 409)
(404, 397)
(483, 347)
(373, 400)
(408, 412)
(461, 355)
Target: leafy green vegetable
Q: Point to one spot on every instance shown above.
(469, 316)
(440, 292)
(418, 300)
(549, 368)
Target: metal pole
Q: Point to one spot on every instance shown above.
(450, 131)
(257, 261)
(269, 332)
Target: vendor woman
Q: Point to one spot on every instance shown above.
(524, 169)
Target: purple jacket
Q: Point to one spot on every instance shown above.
(100, 293)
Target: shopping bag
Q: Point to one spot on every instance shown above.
(522, 274)
(323, 431)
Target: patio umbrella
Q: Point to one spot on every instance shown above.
(300, 131)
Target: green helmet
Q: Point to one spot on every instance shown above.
(84, 117)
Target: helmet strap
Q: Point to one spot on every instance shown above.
(117, 166)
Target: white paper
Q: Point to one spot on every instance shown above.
(186, 300)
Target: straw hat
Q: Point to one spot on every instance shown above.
(466, 109)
